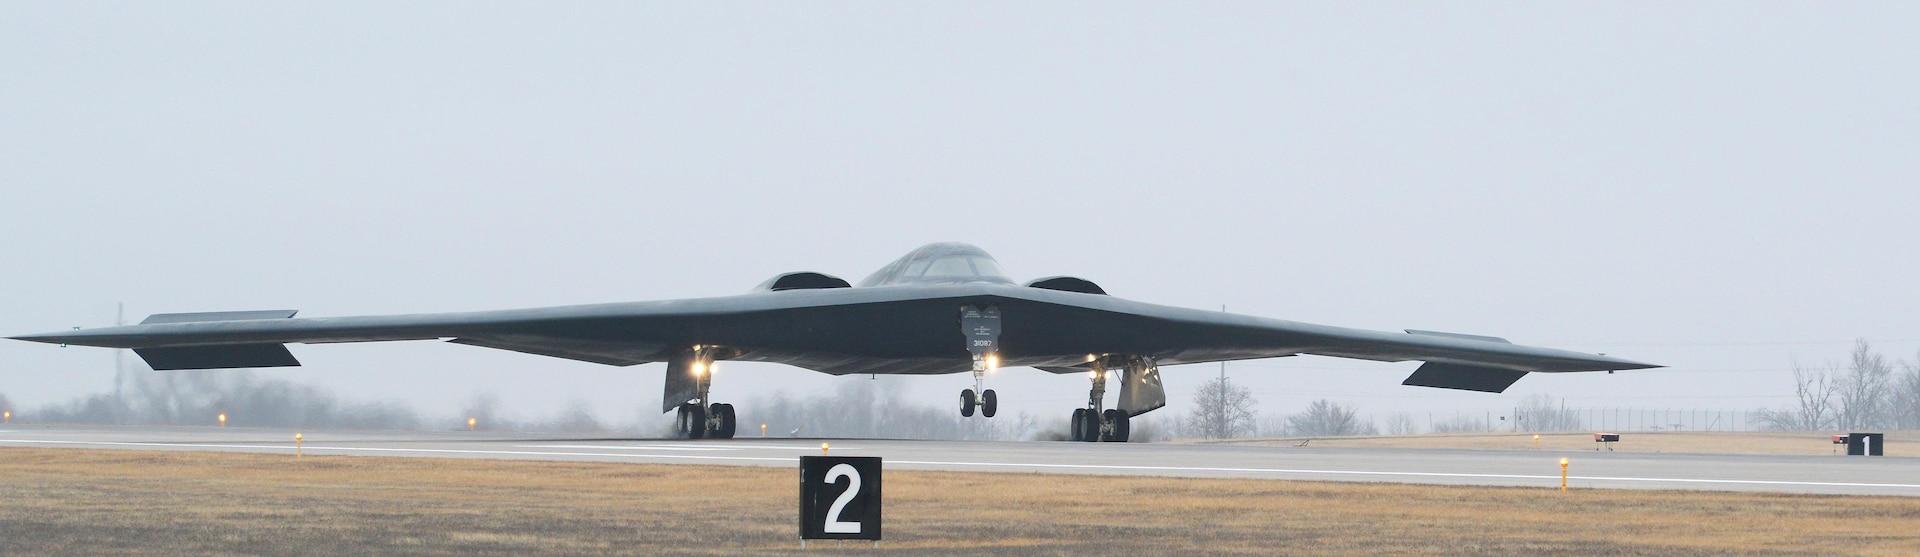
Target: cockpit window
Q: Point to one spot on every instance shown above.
(950, 267)
(986, 267)
(941, 263)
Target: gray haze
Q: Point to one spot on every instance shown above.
(1716, 187)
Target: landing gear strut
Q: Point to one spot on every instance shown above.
(982, 330)
(1096, 423)
(699, 418)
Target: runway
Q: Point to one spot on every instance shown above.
(1587, 469)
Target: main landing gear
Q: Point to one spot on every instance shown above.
(1095, 423)
(714, 421)
(691, 377)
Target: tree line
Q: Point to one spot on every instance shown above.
(1867, 392)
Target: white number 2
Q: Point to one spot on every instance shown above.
(834, 525)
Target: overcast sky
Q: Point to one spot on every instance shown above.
(1716, 187)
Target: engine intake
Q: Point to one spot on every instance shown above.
(1068, 284)
(801, 281)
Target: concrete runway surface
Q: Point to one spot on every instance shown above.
(1588, 469)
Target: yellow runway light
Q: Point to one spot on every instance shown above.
(470, 422)
(296, 444)
(223, 420)
(823, 449)
(1563, 473)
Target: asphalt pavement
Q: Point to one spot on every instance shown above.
(1823, 474)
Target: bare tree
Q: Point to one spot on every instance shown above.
(1814, 391)
(1460, 424)
(1325, 417)
(1905, 402)
(1542, 413)
(1221, 410)
(1273, 426)
(1401, 423)
(1863, 392)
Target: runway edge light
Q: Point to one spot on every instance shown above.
(1563, 473)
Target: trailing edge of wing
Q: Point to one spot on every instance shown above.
(1464, 377)
(221, 356)
(608, 353)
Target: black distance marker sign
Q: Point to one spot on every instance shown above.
(840, 498)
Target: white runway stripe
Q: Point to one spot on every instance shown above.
(685, 447)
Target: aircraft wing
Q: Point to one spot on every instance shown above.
(889, 330)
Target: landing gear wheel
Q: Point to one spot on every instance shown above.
(692, 421)
(723, 424)
(1090, 426)
(988, 403)
(1077, 429)
(967, 402)
(1117, 426)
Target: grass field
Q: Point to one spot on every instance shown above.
(58, 502)
(1899, 443)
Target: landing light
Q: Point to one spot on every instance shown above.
(699, 368)
(993, 362)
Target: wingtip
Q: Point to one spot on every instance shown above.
(48, 338)
(1629, 365)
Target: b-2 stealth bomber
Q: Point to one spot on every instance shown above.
(944, 308)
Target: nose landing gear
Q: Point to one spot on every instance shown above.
(982, 330)
(987, 402)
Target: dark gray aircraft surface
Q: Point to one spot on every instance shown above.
(944, 308)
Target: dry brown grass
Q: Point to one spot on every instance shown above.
(1899, 443)
(55, 501)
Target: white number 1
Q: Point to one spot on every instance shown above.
(834, 525)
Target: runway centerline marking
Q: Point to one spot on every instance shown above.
(1111, 467)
